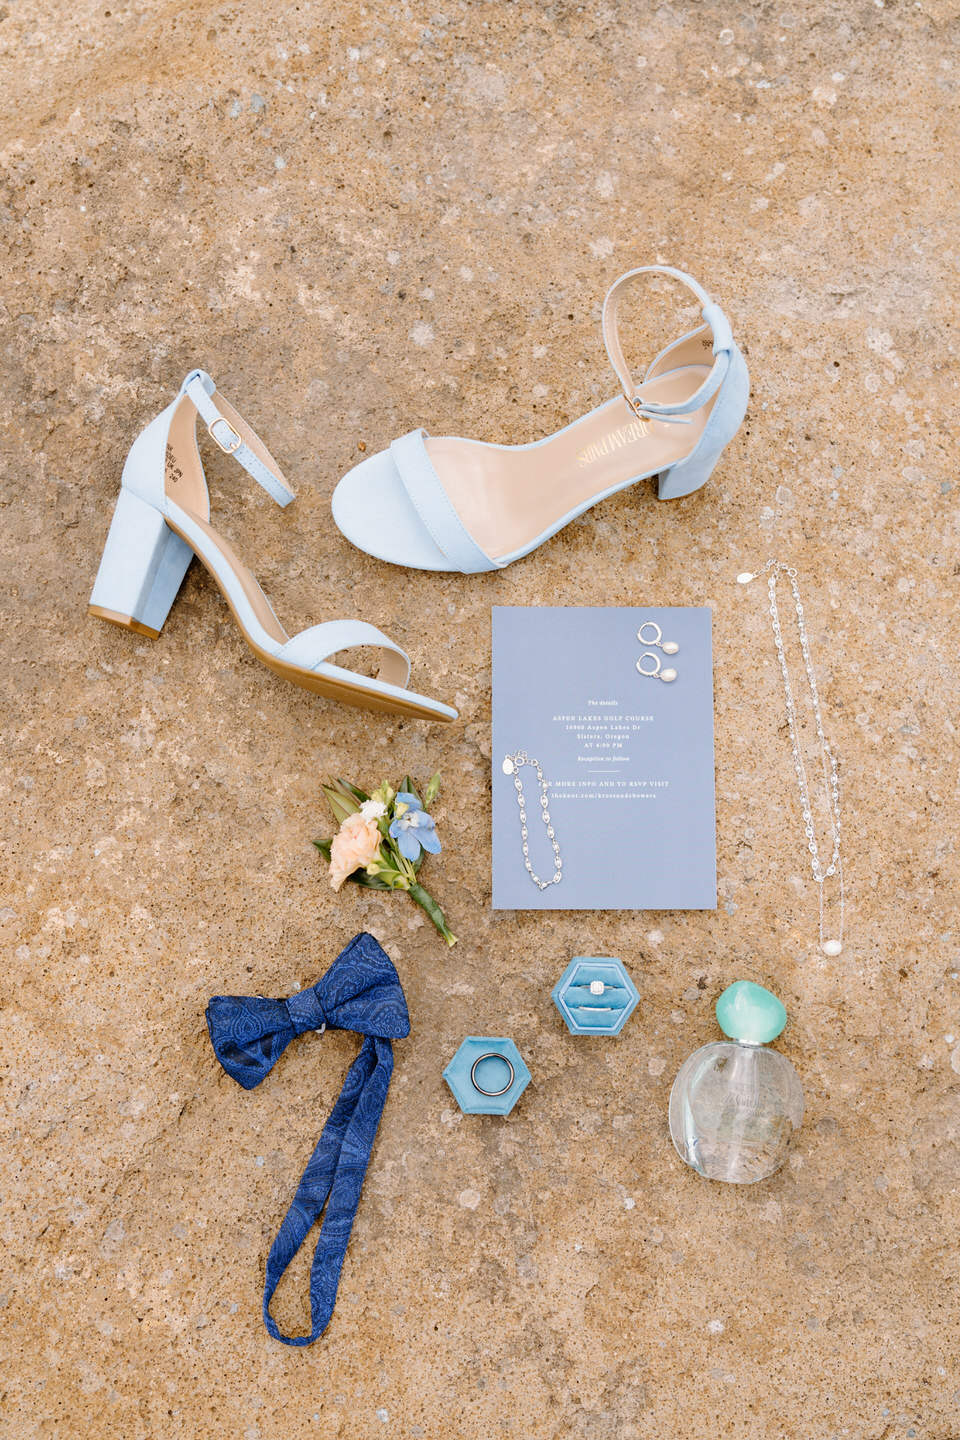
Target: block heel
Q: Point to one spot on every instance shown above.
(141, 570)
(725, 420)
(686, 476)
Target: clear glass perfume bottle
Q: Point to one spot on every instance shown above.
(734, 1106)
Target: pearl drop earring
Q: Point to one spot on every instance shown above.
(669, 647)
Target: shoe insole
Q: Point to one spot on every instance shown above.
(186, 487)
(508, 495)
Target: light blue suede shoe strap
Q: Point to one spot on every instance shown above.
(311, 647)
(317, 644)
(722, 345)
(235, 437)
(434, 506)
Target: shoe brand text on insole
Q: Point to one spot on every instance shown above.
(614, 440)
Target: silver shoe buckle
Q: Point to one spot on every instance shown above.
(237, 440)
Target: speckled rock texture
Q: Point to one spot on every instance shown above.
(361, 219)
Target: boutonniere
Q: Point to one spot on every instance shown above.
(382, 840)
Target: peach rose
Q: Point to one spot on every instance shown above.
(355, 845)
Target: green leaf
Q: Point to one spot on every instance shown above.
(360, 795)
(341, 805)
(324, 847)
(428, 904)
(372, 882)
(432, 790)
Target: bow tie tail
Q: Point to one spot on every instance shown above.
(334, 1177)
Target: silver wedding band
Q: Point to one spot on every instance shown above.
(491, 1055)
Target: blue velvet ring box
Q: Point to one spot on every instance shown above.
(595, 1011)
(493, 1073)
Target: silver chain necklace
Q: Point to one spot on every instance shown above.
(828, 760)
(511, 766)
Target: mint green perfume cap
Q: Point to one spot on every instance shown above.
(746, 1011)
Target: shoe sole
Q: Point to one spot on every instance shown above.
(309, 680)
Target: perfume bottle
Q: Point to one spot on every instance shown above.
(734, 1106)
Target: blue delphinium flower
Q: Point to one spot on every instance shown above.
(413, 829)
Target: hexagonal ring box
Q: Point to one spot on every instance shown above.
(485, 1061)
(595, 995)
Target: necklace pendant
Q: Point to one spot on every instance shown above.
(832, 947)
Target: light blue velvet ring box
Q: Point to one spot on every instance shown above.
(595, 995)
(492, 1073)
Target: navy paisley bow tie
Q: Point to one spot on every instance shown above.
(361, 991)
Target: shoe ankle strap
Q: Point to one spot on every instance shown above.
(235, 437)
(712, 315)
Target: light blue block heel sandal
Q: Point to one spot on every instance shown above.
(443, 503)
(162, 519)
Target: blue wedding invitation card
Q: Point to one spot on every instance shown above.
(628, 760)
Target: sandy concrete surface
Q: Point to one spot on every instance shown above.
(363, 218)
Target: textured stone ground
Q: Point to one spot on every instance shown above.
(361, 219)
